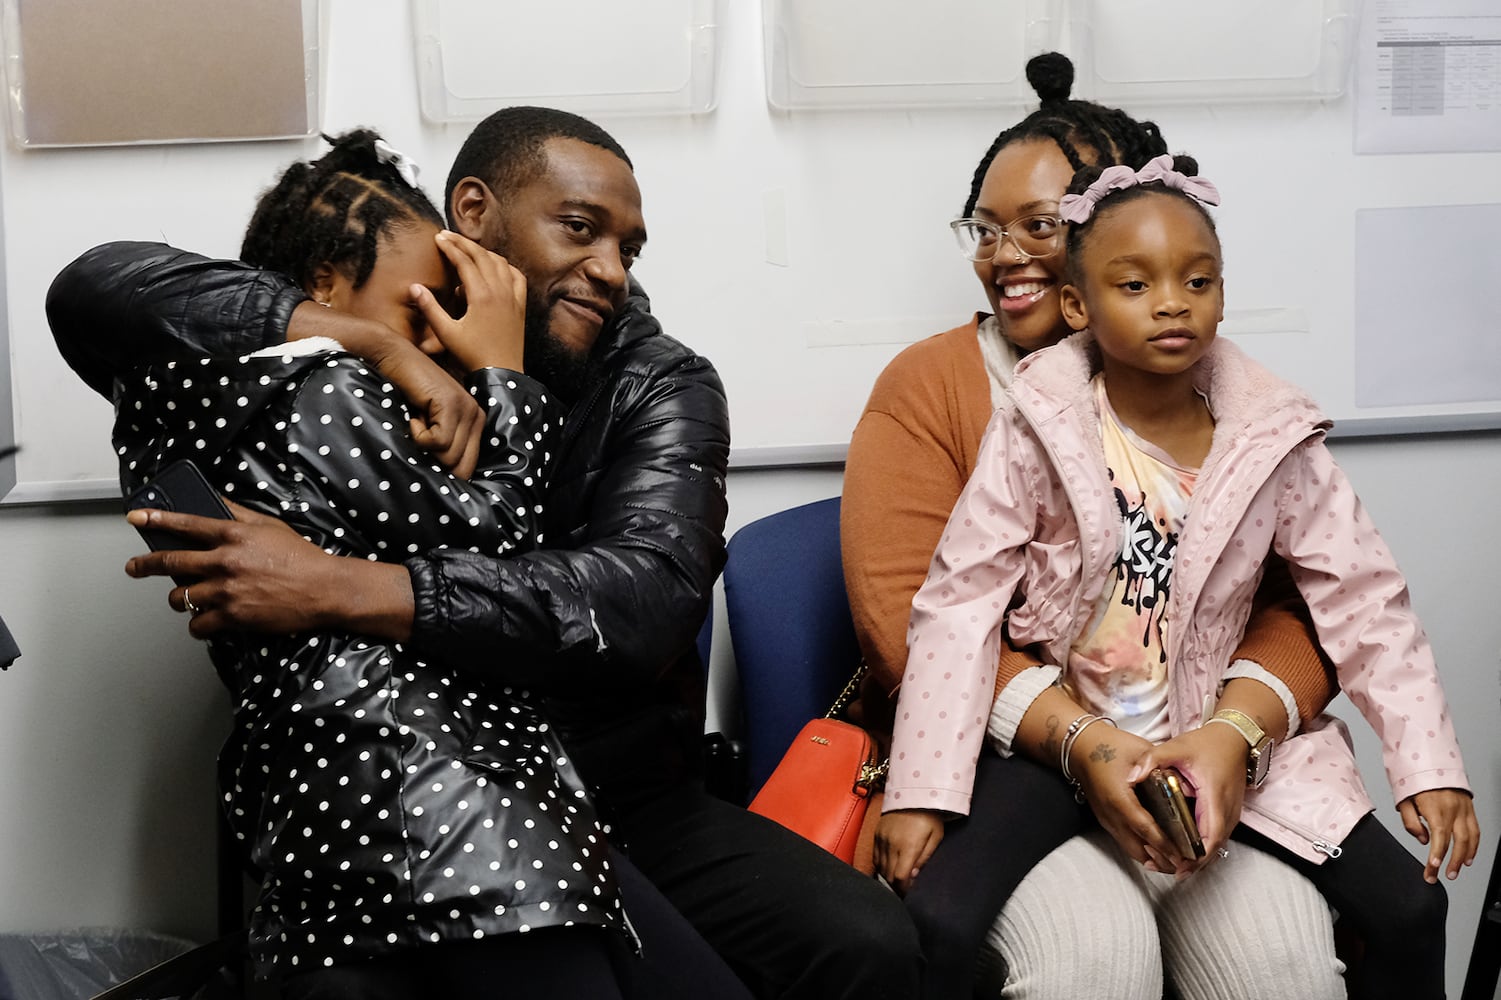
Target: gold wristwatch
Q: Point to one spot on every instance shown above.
(1259, 757)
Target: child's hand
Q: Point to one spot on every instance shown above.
(446, 421)
(1441, 817)
(1107, 763)
(490, 334)
(905, 840)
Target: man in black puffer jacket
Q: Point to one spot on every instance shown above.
(601, 619)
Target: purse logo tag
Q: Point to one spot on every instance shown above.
(820, 739)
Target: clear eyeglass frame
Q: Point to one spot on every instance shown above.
(1034, 236)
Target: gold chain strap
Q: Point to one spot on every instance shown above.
(848, 694)
(872, 773)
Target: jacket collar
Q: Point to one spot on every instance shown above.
(1243, 395)
(633, 322)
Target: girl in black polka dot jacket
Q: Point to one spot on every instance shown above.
(389, 802)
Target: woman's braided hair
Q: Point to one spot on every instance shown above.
(333, 210)
(1084, 131)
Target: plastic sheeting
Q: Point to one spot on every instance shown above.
(75, 965)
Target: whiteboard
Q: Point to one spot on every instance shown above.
(798, 251)
(1222, 52)
(471, 60)
(894, 53)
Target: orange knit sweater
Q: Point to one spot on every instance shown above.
(911, 453)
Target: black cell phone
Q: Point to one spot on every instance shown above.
(1162, 794)
(180, 487)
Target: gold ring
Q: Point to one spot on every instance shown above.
(188, 605)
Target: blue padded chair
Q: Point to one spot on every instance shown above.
(789, 622)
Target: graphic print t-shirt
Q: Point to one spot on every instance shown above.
(1118, 667)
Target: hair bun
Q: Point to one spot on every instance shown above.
(1051, 76)
(1185, 165)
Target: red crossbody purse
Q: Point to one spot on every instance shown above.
(822, 785)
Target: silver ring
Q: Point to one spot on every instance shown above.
(1223, 852)
(188, 605)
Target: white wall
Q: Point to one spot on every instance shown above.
(109, 722)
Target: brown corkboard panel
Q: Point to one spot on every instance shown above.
(107, 72)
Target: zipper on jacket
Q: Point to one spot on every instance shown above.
(1315, 842)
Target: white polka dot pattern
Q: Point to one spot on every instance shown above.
(389, 800)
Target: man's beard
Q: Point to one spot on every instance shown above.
(568, 374)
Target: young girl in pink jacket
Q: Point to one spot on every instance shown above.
(1117, 520)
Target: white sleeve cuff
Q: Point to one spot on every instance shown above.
(1256, 672)
(1014, 700)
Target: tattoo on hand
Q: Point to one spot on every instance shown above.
(1050, 742)
(1102, 754)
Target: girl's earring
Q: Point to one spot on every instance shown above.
(323, 304)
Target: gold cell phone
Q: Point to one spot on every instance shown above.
(1161, 792)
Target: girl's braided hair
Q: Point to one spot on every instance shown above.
(333, 210)
(1089, 173)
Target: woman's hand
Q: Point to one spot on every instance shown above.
(256, 574)
(905, 840)
(491, 332)
(1107, 764)
(1213, 761)
(1442, 817)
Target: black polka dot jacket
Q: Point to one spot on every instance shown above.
(600, 618)
(389, 800)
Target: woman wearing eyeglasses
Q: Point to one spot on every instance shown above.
(911, 453)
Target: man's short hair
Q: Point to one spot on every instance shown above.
(505, 150)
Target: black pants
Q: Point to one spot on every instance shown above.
(1021, 811)
(791, 919)
(1377, 885)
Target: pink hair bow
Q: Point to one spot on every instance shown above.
(1077, 208)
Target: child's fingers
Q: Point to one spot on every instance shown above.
(923, 854)
(1411, 821)
(899, 867)
(463, 254)
(435, 439)
(1463, 858)
(518, 287)
(432, 310)
(478, 269)
(1437, 848)
(1466, 842)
